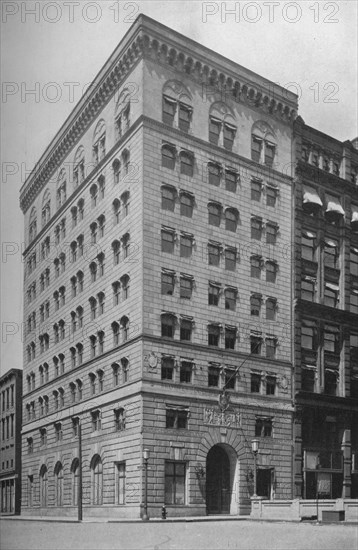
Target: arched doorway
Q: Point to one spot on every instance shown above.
(219, 481)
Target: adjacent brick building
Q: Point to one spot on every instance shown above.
(326, 328)
(10, 441)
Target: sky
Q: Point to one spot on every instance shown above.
(51, 51)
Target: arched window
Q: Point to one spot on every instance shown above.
(116, 246)
(231, 219)
(79, 167)
(61, 189)
(125, 245)
(115, 329)
(177, 105)
(75, 471)
(263, 143)
(222, 125)
(126, 161)
(97, 480)
(214, 211)
(46, 208)
(125, 327)
(125, 286)
(33, 224)
(116, 166)
(122, 113)
(58, 472)
(125, 369)
(125, 202)
(168, 156)
(94, 194)
(116, 204)
(43, 486)
(99, 142)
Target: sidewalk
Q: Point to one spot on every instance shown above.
(188, 519)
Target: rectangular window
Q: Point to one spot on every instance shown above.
(331, 293)
(230, 181)
(308, 250)
(255, 262)
(175, 483)
(229, 136)
(230, 299)
(308, 286)
(186, 369)
(177, 418)
(186, 246)
(308, 379)
(96, 421)
(230, 259)
(213, 335)
(167, 369)
(271, 271)
(230, 378)
(353, 301)
(271, 345)
(255, 304)
(186, 287)
(214, 255)
(120, 482)
(270, 385)
(331, 340)
(169, 106)
(255, 345)
(214, 131)
(308, 337)
(263, 427)
(331, 254)
(184, 117)
(255, 383)
(256, 228)
(230, 338)
(271, 233)
(271, 306)
(168, 198)
(354, 262)
(168, 284)
(186, 205)
(186, 330)
(256, 189)
(168, 242)
(213, 377)
(256, 147)
(213, 295)
(271, 196)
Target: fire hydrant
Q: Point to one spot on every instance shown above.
(164, 512)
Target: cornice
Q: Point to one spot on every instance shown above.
(151, 40)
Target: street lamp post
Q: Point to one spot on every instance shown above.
(145, 516)
(255, 450)
(79, 503)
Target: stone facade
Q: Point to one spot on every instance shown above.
(158, 310)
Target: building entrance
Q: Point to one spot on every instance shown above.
(218, 486)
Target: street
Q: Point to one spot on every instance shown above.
(17, 534)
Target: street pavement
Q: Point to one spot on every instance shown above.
(19, 534)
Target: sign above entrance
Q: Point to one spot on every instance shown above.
(216, 417)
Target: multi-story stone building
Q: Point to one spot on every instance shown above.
(10, 441)
(158, 288)
(326, 328)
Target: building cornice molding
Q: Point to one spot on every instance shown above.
(150, 40)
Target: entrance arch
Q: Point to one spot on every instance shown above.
(221, 464)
